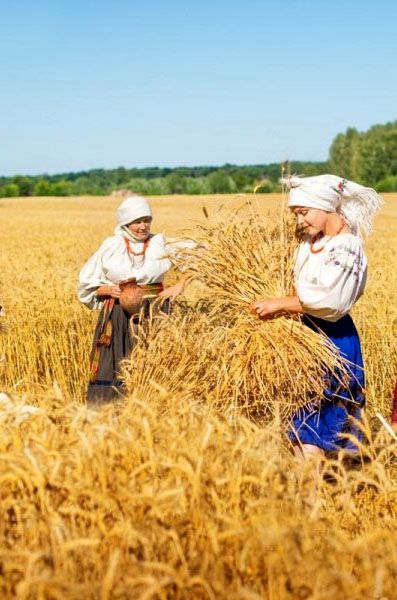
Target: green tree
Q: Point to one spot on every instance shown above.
(42, 188)
(388, 184)
(175, 183)
(344, 154)
(62, 188)
(242, 182)
(197, 185)
(11, 190)
(378, 154)
(369, 157)
(221, 183)
(25, 184)
(266, 186)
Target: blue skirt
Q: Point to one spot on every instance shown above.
(323, 425)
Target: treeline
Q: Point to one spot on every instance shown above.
(155, 180)
(368, 157)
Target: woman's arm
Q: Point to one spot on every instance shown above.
(268, 307)
(173, 291)
(92, 277)
(108, 290)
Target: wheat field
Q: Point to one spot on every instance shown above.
(161, 497)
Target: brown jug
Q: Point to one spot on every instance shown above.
(131, 297)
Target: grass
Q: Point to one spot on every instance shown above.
(162, 497)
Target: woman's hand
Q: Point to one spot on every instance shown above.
(266, 307)
(113, 291)
(172, 291)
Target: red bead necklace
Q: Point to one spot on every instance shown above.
(319, 235)
(130, 250)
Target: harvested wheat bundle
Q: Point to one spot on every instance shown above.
(242, 255)
(239, 366)
(173, 354)
(227, 356)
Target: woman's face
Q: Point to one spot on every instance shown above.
(310, 221)
(140, 228)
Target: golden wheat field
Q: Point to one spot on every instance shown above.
(162, 496)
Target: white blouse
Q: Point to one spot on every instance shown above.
(112, 263)
(330, 282)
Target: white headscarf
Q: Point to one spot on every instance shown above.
(132, 208)
(358, 204)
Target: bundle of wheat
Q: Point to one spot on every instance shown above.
(226, 355)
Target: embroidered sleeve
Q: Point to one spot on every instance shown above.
(345, 258)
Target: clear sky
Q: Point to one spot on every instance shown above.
(100, 83)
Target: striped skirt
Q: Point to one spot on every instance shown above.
(114, 339)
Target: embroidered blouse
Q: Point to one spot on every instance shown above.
(328, 283)
(112, 263)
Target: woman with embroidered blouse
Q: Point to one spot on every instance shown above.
(135, 257)
(330, 275)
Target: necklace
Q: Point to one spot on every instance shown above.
(130, 250)
(320, 235)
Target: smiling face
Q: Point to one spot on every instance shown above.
(310, 221)
(140, 228)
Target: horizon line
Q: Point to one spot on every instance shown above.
(182, 166)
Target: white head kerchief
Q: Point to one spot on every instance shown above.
(358, 204)
(134, 207)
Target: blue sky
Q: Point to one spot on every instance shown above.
(99, 84)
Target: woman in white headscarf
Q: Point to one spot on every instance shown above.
(330, 276)
(134, 255)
